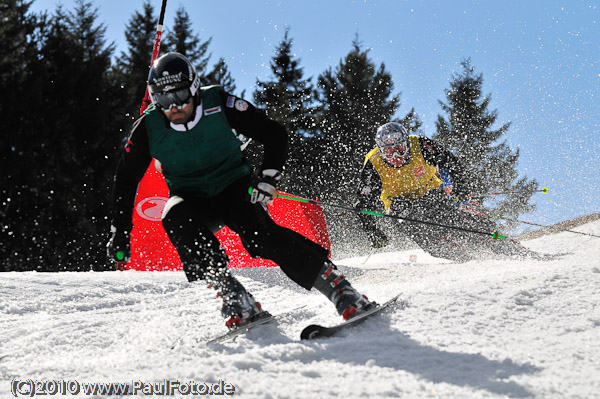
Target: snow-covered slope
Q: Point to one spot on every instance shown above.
(476, 330)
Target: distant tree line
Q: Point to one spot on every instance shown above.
(68, 103)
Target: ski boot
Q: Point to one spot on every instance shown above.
(350, 302)
(347, 300)
(239, 306)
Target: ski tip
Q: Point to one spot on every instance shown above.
(314, 331)
(310, 332)
(390, 301)
(395, 298)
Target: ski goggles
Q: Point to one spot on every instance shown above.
(399, 150)
(177, 98)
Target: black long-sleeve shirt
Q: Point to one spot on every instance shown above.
(241, 116)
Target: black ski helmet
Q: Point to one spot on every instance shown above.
(172, 81)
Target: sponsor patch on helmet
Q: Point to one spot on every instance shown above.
(213, 110)
(230, 101)
(241, 105)
(167, 79)
(195, 85)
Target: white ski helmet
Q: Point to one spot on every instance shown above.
(391, 135)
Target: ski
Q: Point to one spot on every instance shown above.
(317, 331)
(263, 318)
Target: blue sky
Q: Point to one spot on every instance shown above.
(540, 62)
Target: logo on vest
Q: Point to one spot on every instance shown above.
(211, 111)
(419, 171)
(151, 208)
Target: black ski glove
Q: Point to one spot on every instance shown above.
(265, 189)
(378, 239)
(118, 248)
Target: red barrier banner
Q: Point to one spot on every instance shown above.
(152, 250)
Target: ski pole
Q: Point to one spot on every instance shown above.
(495, 235)
(529, 223)
(544, 190)
(556, 229)
(159, 29)
(367, 258)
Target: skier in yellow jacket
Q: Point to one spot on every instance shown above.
(416, 178)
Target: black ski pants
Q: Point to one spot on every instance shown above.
(191, 223)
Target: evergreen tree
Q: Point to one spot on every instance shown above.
(220, 75)
(183, 40)
(356, 99)
(133, 66)
(289, 99)
(468, 132)
(17, 87)
(57, 212)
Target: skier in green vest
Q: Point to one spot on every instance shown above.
(416, 178)
(191, 131)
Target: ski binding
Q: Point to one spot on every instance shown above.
(263, 318)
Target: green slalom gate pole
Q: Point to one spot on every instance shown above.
(495, 235)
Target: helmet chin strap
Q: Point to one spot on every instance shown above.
(197, 113)
(193, 121)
